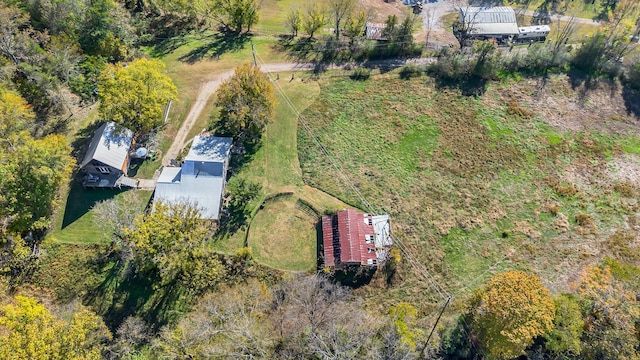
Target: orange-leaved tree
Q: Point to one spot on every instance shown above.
(509, 312)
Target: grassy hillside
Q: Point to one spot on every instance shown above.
(479, 185)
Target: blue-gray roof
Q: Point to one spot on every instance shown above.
(201, 179)
(110, 145)
(206, 192)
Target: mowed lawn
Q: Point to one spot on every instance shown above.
(282, 235)
(75, 223)
(474, 185)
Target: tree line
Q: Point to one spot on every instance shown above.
(313, 317)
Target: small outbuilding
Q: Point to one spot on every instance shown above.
(107, 159)
(374, 31)
(202, 177)
(351, 238)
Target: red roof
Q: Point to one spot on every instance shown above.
(345, 238)
(328, 241)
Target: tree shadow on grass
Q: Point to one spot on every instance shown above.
(472, 86)
(80, 201)
(298, 49)
(119, 297)
(166, 46)
(170, 32)
(631, 101)
(216, 46)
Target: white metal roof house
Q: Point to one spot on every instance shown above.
(498, 22)
(202, 177)
(107, 159)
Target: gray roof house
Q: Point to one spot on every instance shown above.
(107, 159)
(489, 21)
(202, 177)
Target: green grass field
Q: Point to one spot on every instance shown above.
(583, 9)
(284, 237)
(74, 223)
(276, 167)
(472, 188)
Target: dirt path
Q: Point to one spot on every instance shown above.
(205, 93)
(211, 86)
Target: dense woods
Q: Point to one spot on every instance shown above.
(163, 292)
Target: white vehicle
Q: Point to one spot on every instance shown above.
(536, 33)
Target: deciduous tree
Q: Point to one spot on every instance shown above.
(247, 104)
(315, 17)
(403, 315)
(115, 217)
(107, 31)
(611, 316)
(236, 15)
(231, 323)
(340, 9)
(135, 95)
(355, 24)
(567, 327)
(30, 331)
(34, 169)
(293, 21)
(171, 242)
(509, 312)
(15, 115)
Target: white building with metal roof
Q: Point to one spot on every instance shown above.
(489, 22)
(202, 177)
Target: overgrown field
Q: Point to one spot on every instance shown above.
(543, 178)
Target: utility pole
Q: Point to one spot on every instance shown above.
(434, 328)
(253, 52)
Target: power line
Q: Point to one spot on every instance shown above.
(408, 255)
(432, 282)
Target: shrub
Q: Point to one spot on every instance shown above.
(361, 74)
(244, 254)
(514, 108)
(410, 71)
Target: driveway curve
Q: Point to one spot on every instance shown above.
(208, 88)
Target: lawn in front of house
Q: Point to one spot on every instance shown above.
(74, 222)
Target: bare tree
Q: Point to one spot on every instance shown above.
(340, 9)
(465, 24)
(294, 21)
(227, 324)
(115, 215)
(430, 22)
(132, 334)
